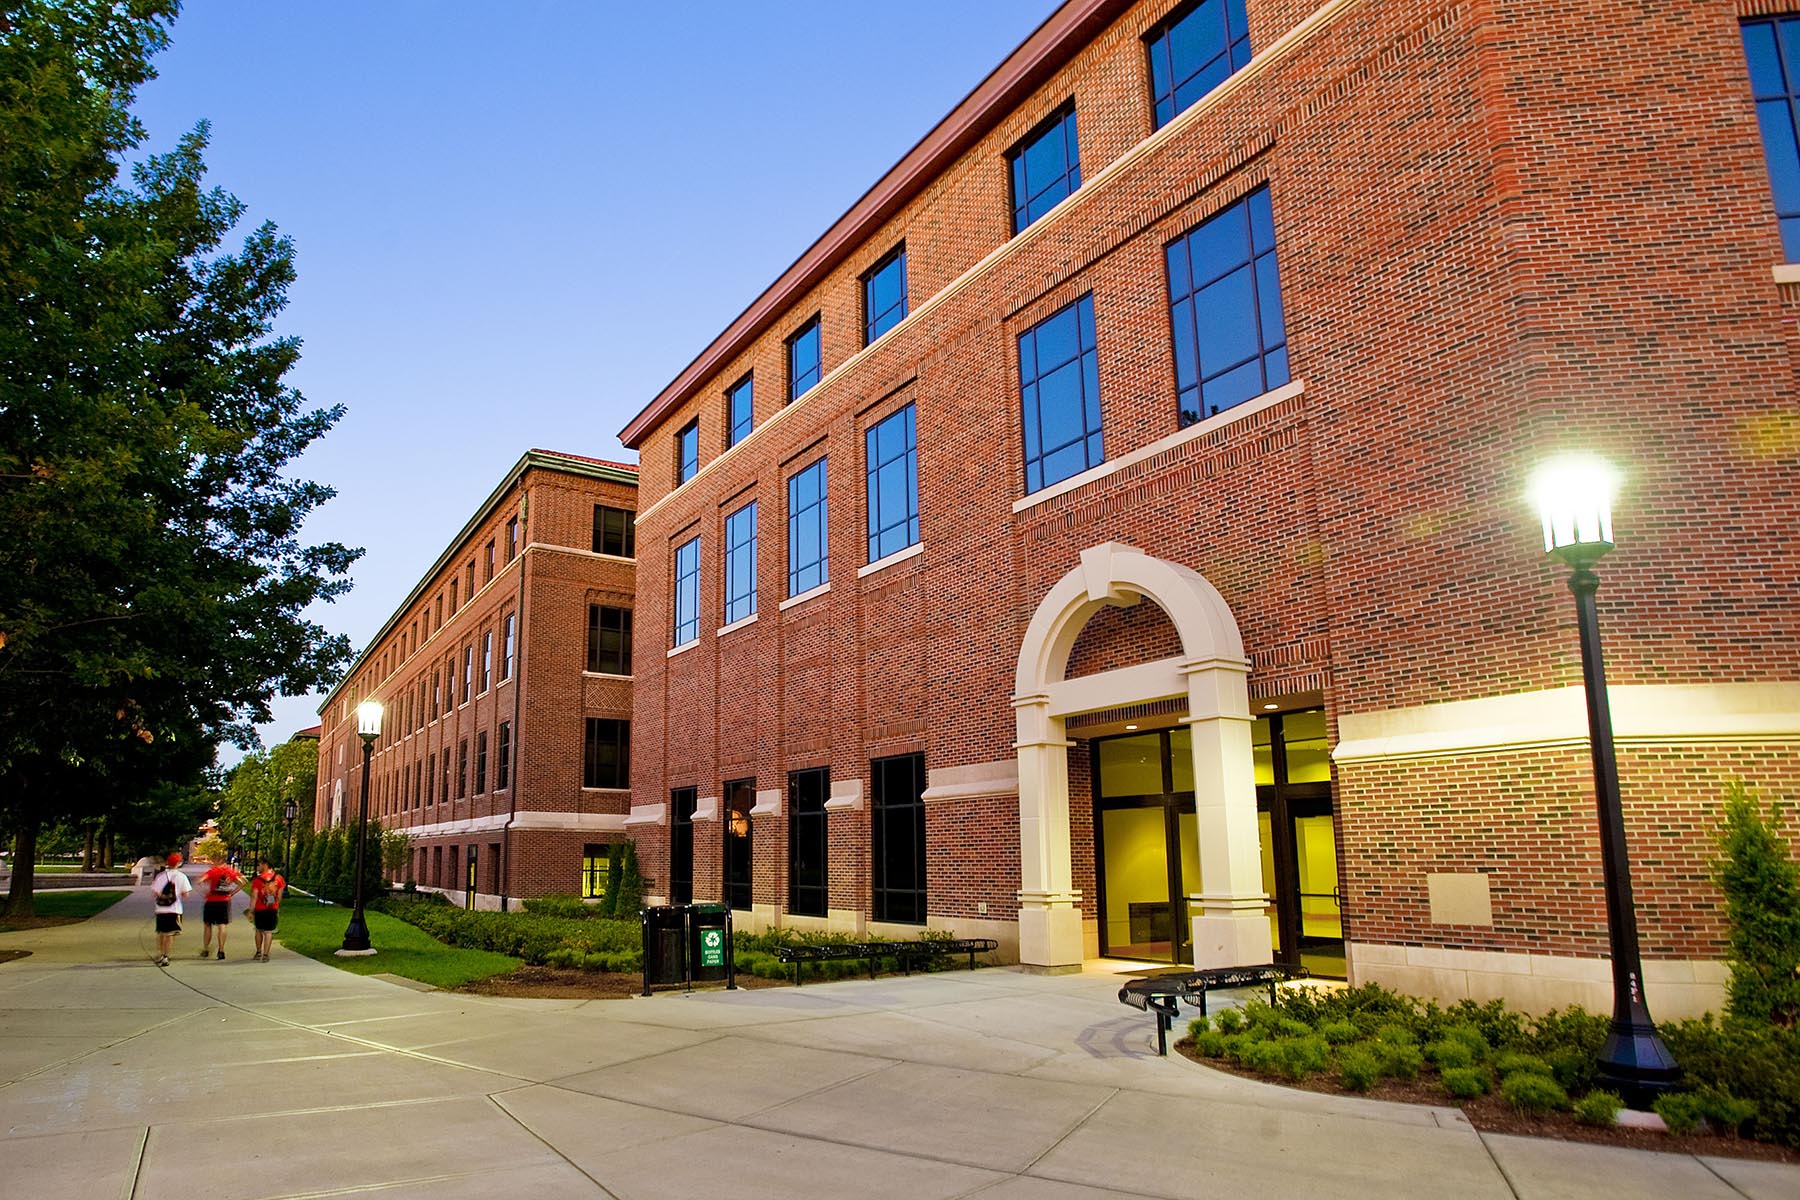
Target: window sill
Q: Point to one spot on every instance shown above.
(898, 556)
(1787, 273)
(684, 647)
(1180, 437)
(604, 675)
(803, 597)
(736, 625)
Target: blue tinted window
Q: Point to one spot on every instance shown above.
(1059, 386)
(893, 457)
(808, 551)
(1772, 49)
(1045, 169)
(687, 452)
(740, 564)
(687, 591)
(884, 296)
(803, 360)
(1225, 309)
(1194, 52)
(740, 416)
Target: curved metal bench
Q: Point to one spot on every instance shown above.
(1160, 994)
(907, 953)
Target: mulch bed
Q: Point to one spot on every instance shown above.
(1491, 1114)
(16, 924)
(555, 983)
(7, 956)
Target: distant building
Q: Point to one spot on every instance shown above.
(505, 680)
(1109, 536)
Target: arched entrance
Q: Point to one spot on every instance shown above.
(1231, 927)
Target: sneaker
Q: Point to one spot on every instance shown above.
(204, 951)
(221, 956)
(163, 961)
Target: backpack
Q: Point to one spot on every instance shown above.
(167, 895)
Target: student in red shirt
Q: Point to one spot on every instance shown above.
(266, 890)
(220, 883)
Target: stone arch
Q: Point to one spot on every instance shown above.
(1210, 674)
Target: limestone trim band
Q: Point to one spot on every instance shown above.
(974, 781)
(1643, 714)
(647, 814)
(559, 822)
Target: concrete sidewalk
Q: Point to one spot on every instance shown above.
(243, 1079)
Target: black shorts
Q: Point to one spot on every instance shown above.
(265, 919)
(168, 922)
(216, 912)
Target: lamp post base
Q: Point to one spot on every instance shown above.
(1635, 1063)
(354, 953)
(356, 936)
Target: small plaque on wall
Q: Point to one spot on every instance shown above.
(1460, 898)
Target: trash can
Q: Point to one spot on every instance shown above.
(665, 945)
(709, 945)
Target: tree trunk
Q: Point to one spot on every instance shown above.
(106, 851)
(87, 849)
(19, 900)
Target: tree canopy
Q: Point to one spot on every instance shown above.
(154, 578)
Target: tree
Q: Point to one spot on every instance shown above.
(1761, 882)
(396, 854)
(153, 577)
(609, 900)
(631, 884)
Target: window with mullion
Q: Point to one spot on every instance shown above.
(687, 452)
(884, 295)
(606, 754)
(804, 362)
(897, 824)
(1193, 52)
(687, 592)
(1059, 396)
(1225, 311)
(609, 640)
(740, 564)
(615, 532)
(808, 826)
(740, 416)
(1045, 168)
(892, 454)
(809, 564)
(1772, 50)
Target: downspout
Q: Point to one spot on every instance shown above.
(517, 765)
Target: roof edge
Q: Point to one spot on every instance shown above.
(1043, 52)
(547, 460)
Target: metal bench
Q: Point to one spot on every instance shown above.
(1160, 994)
(908, 954)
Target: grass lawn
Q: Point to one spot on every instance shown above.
(60, 908)
(317, 930)
(75, 869)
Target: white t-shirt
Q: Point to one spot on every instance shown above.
(182, 888)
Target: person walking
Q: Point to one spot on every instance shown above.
(266, 891)
(220, 883)
(169, 886)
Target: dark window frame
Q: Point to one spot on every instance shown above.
(898, 881)
(686, 594)
(737, 875)
(1165, 102)
(798, 381)
(805, 576)
(809, 842)
(872, 320)
(740, 605)
(503, 756)
(462, 768)
(1778, 100)
(1061, 123)
(509, 627)
(481, 753)
(600, 734)
(880, 522)
(615, 537)
(609, 622)
(1032, 374)
(687, 452)
(740, 426)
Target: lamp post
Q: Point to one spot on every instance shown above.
(256, 851)
(368, 727)
(243, 836)
(289, 811)
(1574, 498)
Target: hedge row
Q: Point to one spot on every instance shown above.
(590, 943)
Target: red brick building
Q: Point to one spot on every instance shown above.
(505, 680)
(1261, 312)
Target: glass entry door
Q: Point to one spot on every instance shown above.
(1299, 840)
(1146, 854)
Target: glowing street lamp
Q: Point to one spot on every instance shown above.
(1574, 496)
(368, 727)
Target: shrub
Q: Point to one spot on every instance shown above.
(1230, 1021)
(631, 884)
(573, 907)
(1532, 1093)
(1303, 1056)
(1514, 1062)
(1680, 1111)
(1493, 1023)
(1359, 1067)
(1725, 1111)
(1209, 1043)
(1397, 1033)
(1466, 1083)
(1754, 1062)
(609, 900)
(1575, 1070)
(1198, 1026)
(1450, 1054)
(1468, 1035)
(1339, 1032)
(1599, 1108)
(1399, 1060)
(1757, 873)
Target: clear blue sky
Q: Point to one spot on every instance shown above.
(516, 222)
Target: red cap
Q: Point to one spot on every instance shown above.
(174, 859)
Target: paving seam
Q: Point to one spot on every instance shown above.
(884, 1064)
(97, 1049)
(1071, 1130)
(550, 1146)
(137, 1166)
(1498, 1165)
(386, 1185)
(1714, 1172)
(557, 1081)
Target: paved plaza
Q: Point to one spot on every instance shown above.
(242, 1079)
